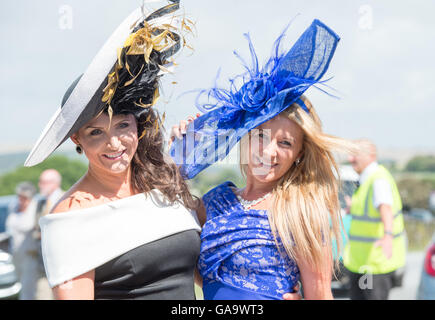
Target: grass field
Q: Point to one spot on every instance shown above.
(414, 175)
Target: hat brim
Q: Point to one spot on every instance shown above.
(85, 98)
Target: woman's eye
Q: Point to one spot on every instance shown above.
(263, 136)
(286, 143)
(95, 132)
(124, 125)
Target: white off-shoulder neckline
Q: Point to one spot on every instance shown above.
(98, 206)
(78, 241)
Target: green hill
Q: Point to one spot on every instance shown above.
(10, 161)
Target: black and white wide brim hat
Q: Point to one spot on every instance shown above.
(106, 76)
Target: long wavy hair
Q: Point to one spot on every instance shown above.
(151, 168)
(305, 208)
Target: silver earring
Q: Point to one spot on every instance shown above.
(298, 161)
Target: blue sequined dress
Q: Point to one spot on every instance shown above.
(239, 258)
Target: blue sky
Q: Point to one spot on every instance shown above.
(383, 68)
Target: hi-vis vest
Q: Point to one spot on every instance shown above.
(360, 254)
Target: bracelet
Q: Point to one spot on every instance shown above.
(388, 233)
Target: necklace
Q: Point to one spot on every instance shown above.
(247, 204)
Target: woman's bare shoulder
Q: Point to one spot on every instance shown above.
(74, 199)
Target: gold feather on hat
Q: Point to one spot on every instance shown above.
(145, 40)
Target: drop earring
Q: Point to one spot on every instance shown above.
(79, 149)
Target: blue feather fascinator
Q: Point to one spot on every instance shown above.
(264, 93)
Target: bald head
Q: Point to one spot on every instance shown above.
(367, 147)
(49, 181)
(365, 155)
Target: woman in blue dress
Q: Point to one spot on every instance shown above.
(259, 241)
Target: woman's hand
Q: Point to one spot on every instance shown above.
(296, 295)
(177, 131)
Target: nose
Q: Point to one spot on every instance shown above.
(114, 142)
(270, 151)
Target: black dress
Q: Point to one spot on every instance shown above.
(140, 247)
(159, 270)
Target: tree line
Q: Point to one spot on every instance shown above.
(71, 171)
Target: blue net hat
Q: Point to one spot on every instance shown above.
(263, 95)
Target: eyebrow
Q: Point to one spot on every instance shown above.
(292, 139)
(95, 127)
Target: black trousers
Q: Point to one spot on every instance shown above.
(370, 286)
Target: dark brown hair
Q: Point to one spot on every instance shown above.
(151, 168)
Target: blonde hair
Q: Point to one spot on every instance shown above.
(305, 209)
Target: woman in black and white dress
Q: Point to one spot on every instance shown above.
(127, 229)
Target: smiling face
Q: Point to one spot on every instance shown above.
(109, 148)
(274, 147)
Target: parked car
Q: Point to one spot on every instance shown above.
(426, 288)
(6, 203)
(421, 214)
(10, 287)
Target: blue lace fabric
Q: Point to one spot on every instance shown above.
(239, 257)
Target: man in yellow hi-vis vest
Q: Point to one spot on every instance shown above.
(377, 246)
